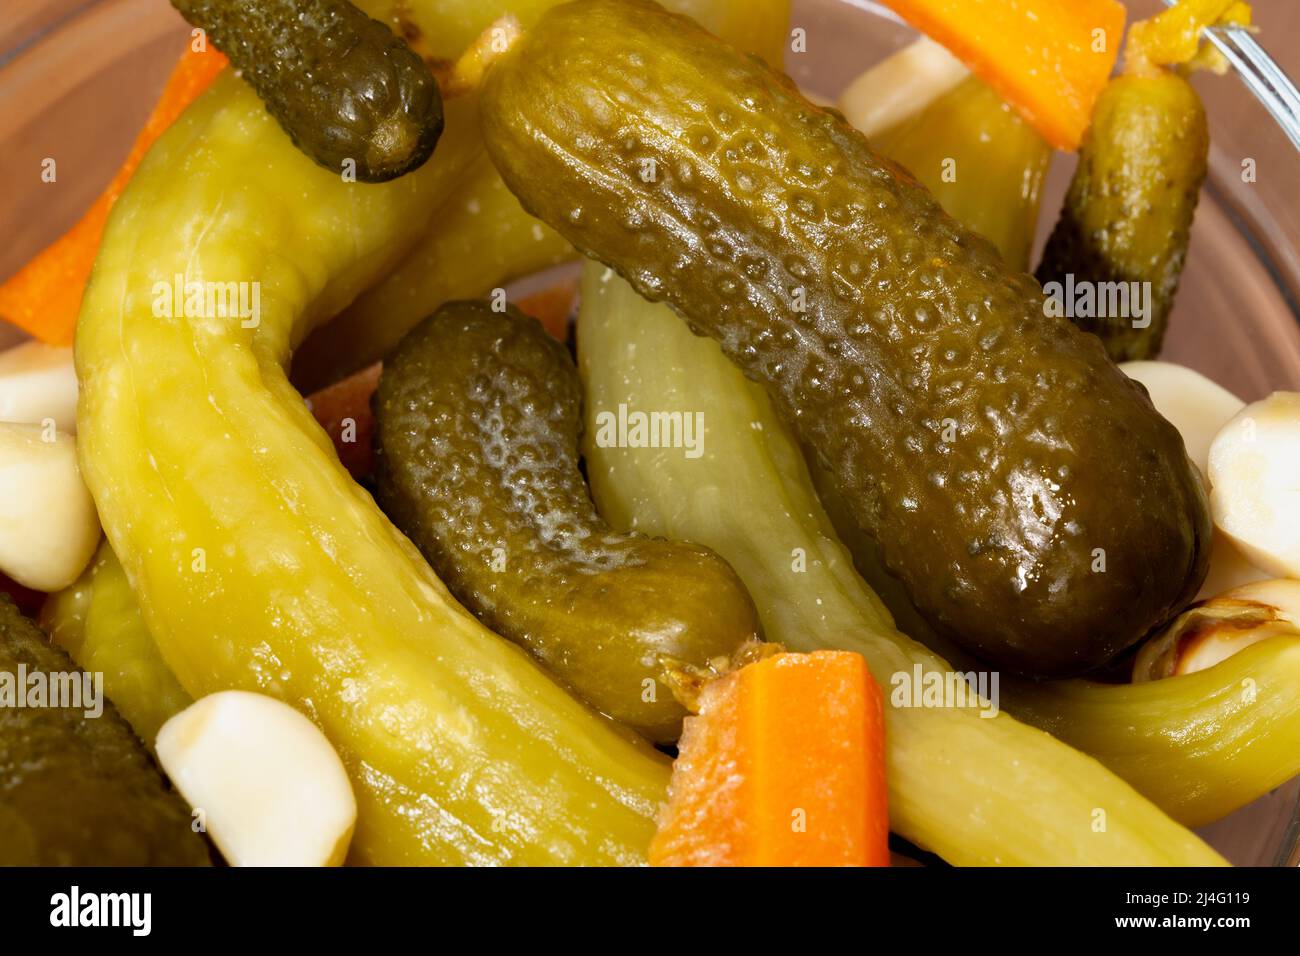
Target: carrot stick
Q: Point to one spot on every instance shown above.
(784, 766)
(1048, 58)
(44, 296)
(343, 410)
(552, 307)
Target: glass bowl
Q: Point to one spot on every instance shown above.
(77, 78)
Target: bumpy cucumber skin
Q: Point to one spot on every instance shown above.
(1037, 508)
(1128, 213)
(342, 85)
(478, 419)
(78, 790)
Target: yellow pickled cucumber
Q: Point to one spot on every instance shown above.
(258, 563)
(982, 161)
(1199, 746)
(481, 239)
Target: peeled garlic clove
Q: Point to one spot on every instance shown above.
(38, 384)
(1192, 403)
(1214, 630)
(900, 85)
(48, 523)
(268, 786)
(1254, 472)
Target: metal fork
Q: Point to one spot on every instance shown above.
(1260, 73)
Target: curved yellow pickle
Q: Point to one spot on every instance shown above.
(98, 622)
(1199, 746)
(977, 790)
(257, 561)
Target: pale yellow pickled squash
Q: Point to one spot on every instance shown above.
(446, 27)
(1200, 745)
(260, 565)
(479, 240)
(257, 562)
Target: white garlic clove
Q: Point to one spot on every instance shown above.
(268, 787)
(48, 523)
(38, 384)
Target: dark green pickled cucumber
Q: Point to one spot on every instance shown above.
(342, 85)
(478, 419)
(1128, 213)
(1035, 506)
(76, 790)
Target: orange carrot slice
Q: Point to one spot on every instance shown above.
(784, 766)
(343, 410)
(552, 307)
(44, 296)
(1048, 58)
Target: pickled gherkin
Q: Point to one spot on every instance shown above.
(1124, 229)
(478, 416)
(1036, 507)
(350, 94)
(76, 786)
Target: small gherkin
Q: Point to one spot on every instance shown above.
(344, 87)
(478, 416)
(1127, 218)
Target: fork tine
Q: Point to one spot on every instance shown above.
(1278, 79)
(1264, 64)
(1261, 75)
